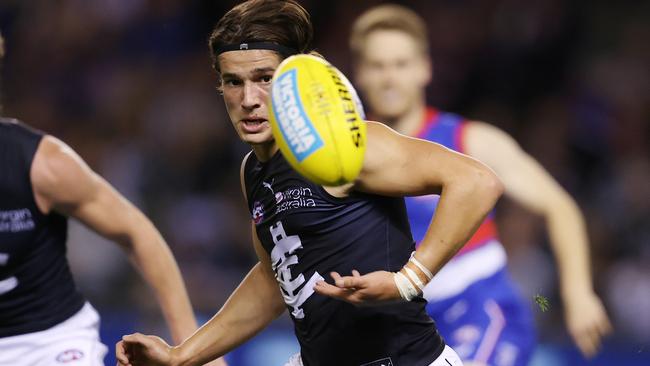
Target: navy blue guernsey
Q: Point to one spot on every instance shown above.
(308, 233)
(36, 287)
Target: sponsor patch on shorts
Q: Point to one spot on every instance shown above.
(383, 362)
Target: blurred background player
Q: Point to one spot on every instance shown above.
(473, 300)
(359, 226)
(44, 320)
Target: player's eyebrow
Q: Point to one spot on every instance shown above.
(261, 70)
(229, 75)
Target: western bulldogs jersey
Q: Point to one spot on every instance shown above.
(445, 129)
(36, 287)
(308, 233)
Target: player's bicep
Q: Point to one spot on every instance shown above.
(397, 165)
(262, 255)
(63, 182)
(267, 272)
(60, 178)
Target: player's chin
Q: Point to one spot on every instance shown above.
(257, 138)
(389, 111)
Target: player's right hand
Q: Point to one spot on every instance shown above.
(140, 350)
(587, 322)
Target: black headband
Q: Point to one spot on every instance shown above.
(285, 51)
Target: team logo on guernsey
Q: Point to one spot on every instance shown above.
(296, 289)
(295, 126)
(70, 355)
(258, 212)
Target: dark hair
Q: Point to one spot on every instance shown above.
(283, 22)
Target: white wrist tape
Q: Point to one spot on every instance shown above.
(406, 289)
(422, 268)
(414, 278)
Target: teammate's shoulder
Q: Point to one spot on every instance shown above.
(482, 139)
(9, 122)
(18, 125)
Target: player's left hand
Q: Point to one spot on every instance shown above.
(587, 322)
(374, 288)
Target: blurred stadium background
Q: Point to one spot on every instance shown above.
(128, 84)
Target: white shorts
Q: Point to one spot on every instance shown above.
(447, 358)
(74, 342)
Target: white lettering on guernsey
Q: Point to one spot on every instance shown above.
(301, 136)
(14, 221)
(282, 256)
(293, 198)
(10, 283)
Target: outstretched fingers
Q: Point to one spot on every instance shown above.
(348, 282)
(345, 287)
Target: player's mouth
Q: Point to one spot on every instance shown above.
(254, 124)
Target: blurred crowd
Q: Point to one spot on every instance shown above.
(128, 84)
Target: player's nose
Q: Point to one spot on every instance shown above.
(252, 97)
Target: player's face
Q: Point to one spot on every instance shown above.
(246, 83)
(392, 73)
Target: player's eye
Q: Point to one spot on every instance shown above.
(266, 78)
(232, 82)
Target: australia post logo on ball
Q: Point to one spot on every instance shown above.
(296, 128)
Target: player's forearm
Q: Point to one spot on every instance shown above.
(251, 307)
(153, 258)
(569, 243)
(462, 207)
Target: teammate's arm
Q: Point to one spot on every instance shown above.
(396, 165)
(529, 184)
(64, 183)
(252, 306)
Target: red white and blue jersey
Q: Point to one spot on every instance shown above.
(447, 129)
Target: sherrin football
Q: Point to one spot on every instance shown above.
(317, 120)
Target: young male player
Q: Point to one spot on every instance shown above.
(44, 320)
(360, 228)
(472, 299)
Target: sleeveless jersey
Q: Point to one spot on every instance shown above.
(36, 287)
(308, 233)
(445, 129)
(483, 255)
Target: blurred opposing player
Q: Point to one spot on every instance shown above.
(44, 320)
(473, 299)
(303, 232)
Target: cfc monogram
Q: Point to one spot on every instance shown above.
(282, 256)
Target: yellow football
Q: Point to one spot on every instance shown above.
(317, 120)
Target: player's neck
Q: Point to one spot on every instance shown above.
(264, 152)
(410, 122)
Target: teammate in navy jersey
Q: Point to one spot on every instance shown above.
(44, 320)
(307, 235)
(478, 310)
